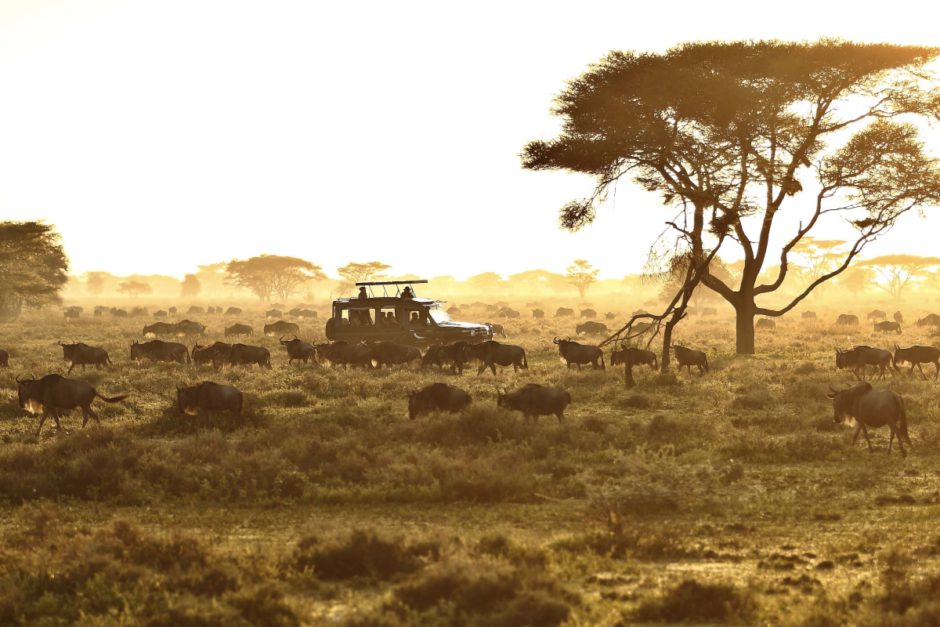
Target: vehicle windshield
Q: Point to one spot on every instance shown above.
(438, 315)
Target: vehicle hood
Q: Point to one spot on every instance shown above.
(456, 324)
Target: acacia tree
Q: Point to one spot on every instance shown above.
(273, 274)
(190, 286)
(33, 267)
(857, 280)
(581, 275)
(726, 131)
(893, 273)
(357, 272)
(134, 288)
(94, 282)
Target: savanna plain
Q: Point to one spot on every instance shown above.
(726, 498)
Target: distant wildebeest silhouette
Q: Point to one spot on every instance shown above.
(208, 397)
(930, 320)
(591, 327)
(564, 312)
(538, 314)
(917, 355)
(80, 354)
(766, 323)
(858, 358)
(580, 354)
(871, 408)
(688, 357)
(588, 314)
(492, 354)
(53, 394)
(847, 320)
(437, 397)
(630, 356)
(887, 326)
(877, 314)
(535, 400)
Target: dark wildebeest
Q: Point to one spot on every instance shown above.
(538, 314)
(610, 315)
(898, 317)
(871, 408)
(765, 323)
(808, 315)
(491, 308)
(454, 354)
(580, 354)
(172, 310)
(393, 354)
(437, 397)
(4, 359)
(72, 313)
(345, 354)
(629, 356)
(158, 350)
(79, 354)
(218, 354)
(194, 310)
(496, 329)
(238, 329)
(709, 311)
(888, 327)
(591, 328)
(589, 314)
(492, 354)
(118, 313)
(930, 320)
(159, 314)
(160, 328)
(688, 358)
(298, 349)
(306, 313)
(273, 313)
(233, 311)
(917, 355)
(136, 312)
(861, 356)
(208, 396)
(508, 312)
(847, 320)
(282, 327)
(535, 400)
(245, 355)
(53, 393)
(100, 309)
(188, 327)
(877, 314)
(564, 312)
(294, 312)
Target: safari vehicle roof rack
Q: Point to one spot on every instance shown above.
(383, 284)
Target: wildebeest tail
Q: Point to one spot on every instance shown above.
(603, 365)
(111, 399)
(902, 423)
(707, 369)
(525, 362)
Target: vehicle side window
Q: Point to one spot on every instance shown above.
(386, 316)
(360, 317)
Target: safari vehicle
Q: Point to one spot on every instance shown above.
(399, 317)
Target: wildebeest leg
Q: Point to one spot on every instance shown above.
(71, 365)
(891, 439)
(867, 439)
(493, 368)
(42, 419)
(858, 430)
(937, 366)
(900, 443)
(482, 368)
(561, 416)
(89, 412)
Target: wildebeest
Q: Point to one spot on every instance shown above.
(194, 310)
(158, 350)
(282, 327)
(508, 312)
(72, 313)
(496, 329)
(917, 355)
(208, 396)
(808, 315)
(871, 408)
(859, 357)
(591, 328)
(233, 311)
(345, 354)
(538, 314)
(579, 354)
(160, 328)
(218, 354)
(245, 355)
(535, 400)
(453, 354)
(159, 314)
(298, 349)
(238, 329)
(306, 313)
(4, 359)
(437, 397)
(393, 354)
(564, 312)
(847, 320)
(633, 357)
(930, 320)
(136, 312)
(877, 314)
(189, 327)
(492, 354)
(610, 315)
(80, 354)
(898, 317)
(172, 310)
(273, 313)
(765, 323)
(887, 326)
(100, 309)
(53, 393)
(688, 357)
(589, 314)
(118, 313)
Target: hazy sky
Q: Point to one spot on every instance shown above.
(162, 135)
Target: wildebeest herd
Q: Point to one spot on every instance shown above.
(53, 394)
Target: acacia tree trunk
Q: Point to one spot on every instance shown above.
(744, 326)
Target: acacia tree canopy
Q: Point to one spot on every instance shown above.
(133, 287)
(726, 133)
(581, 275)
(33, 267)
(896, 272)
(273, 274)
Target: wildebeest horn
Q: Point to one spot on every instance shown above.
(555, 341)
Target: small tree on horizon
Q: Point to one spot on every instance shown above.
(134, 288)
(893, 273)
(190, 286)
(358, 272)
(94, 282)
(581, 275)
(265, 275)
